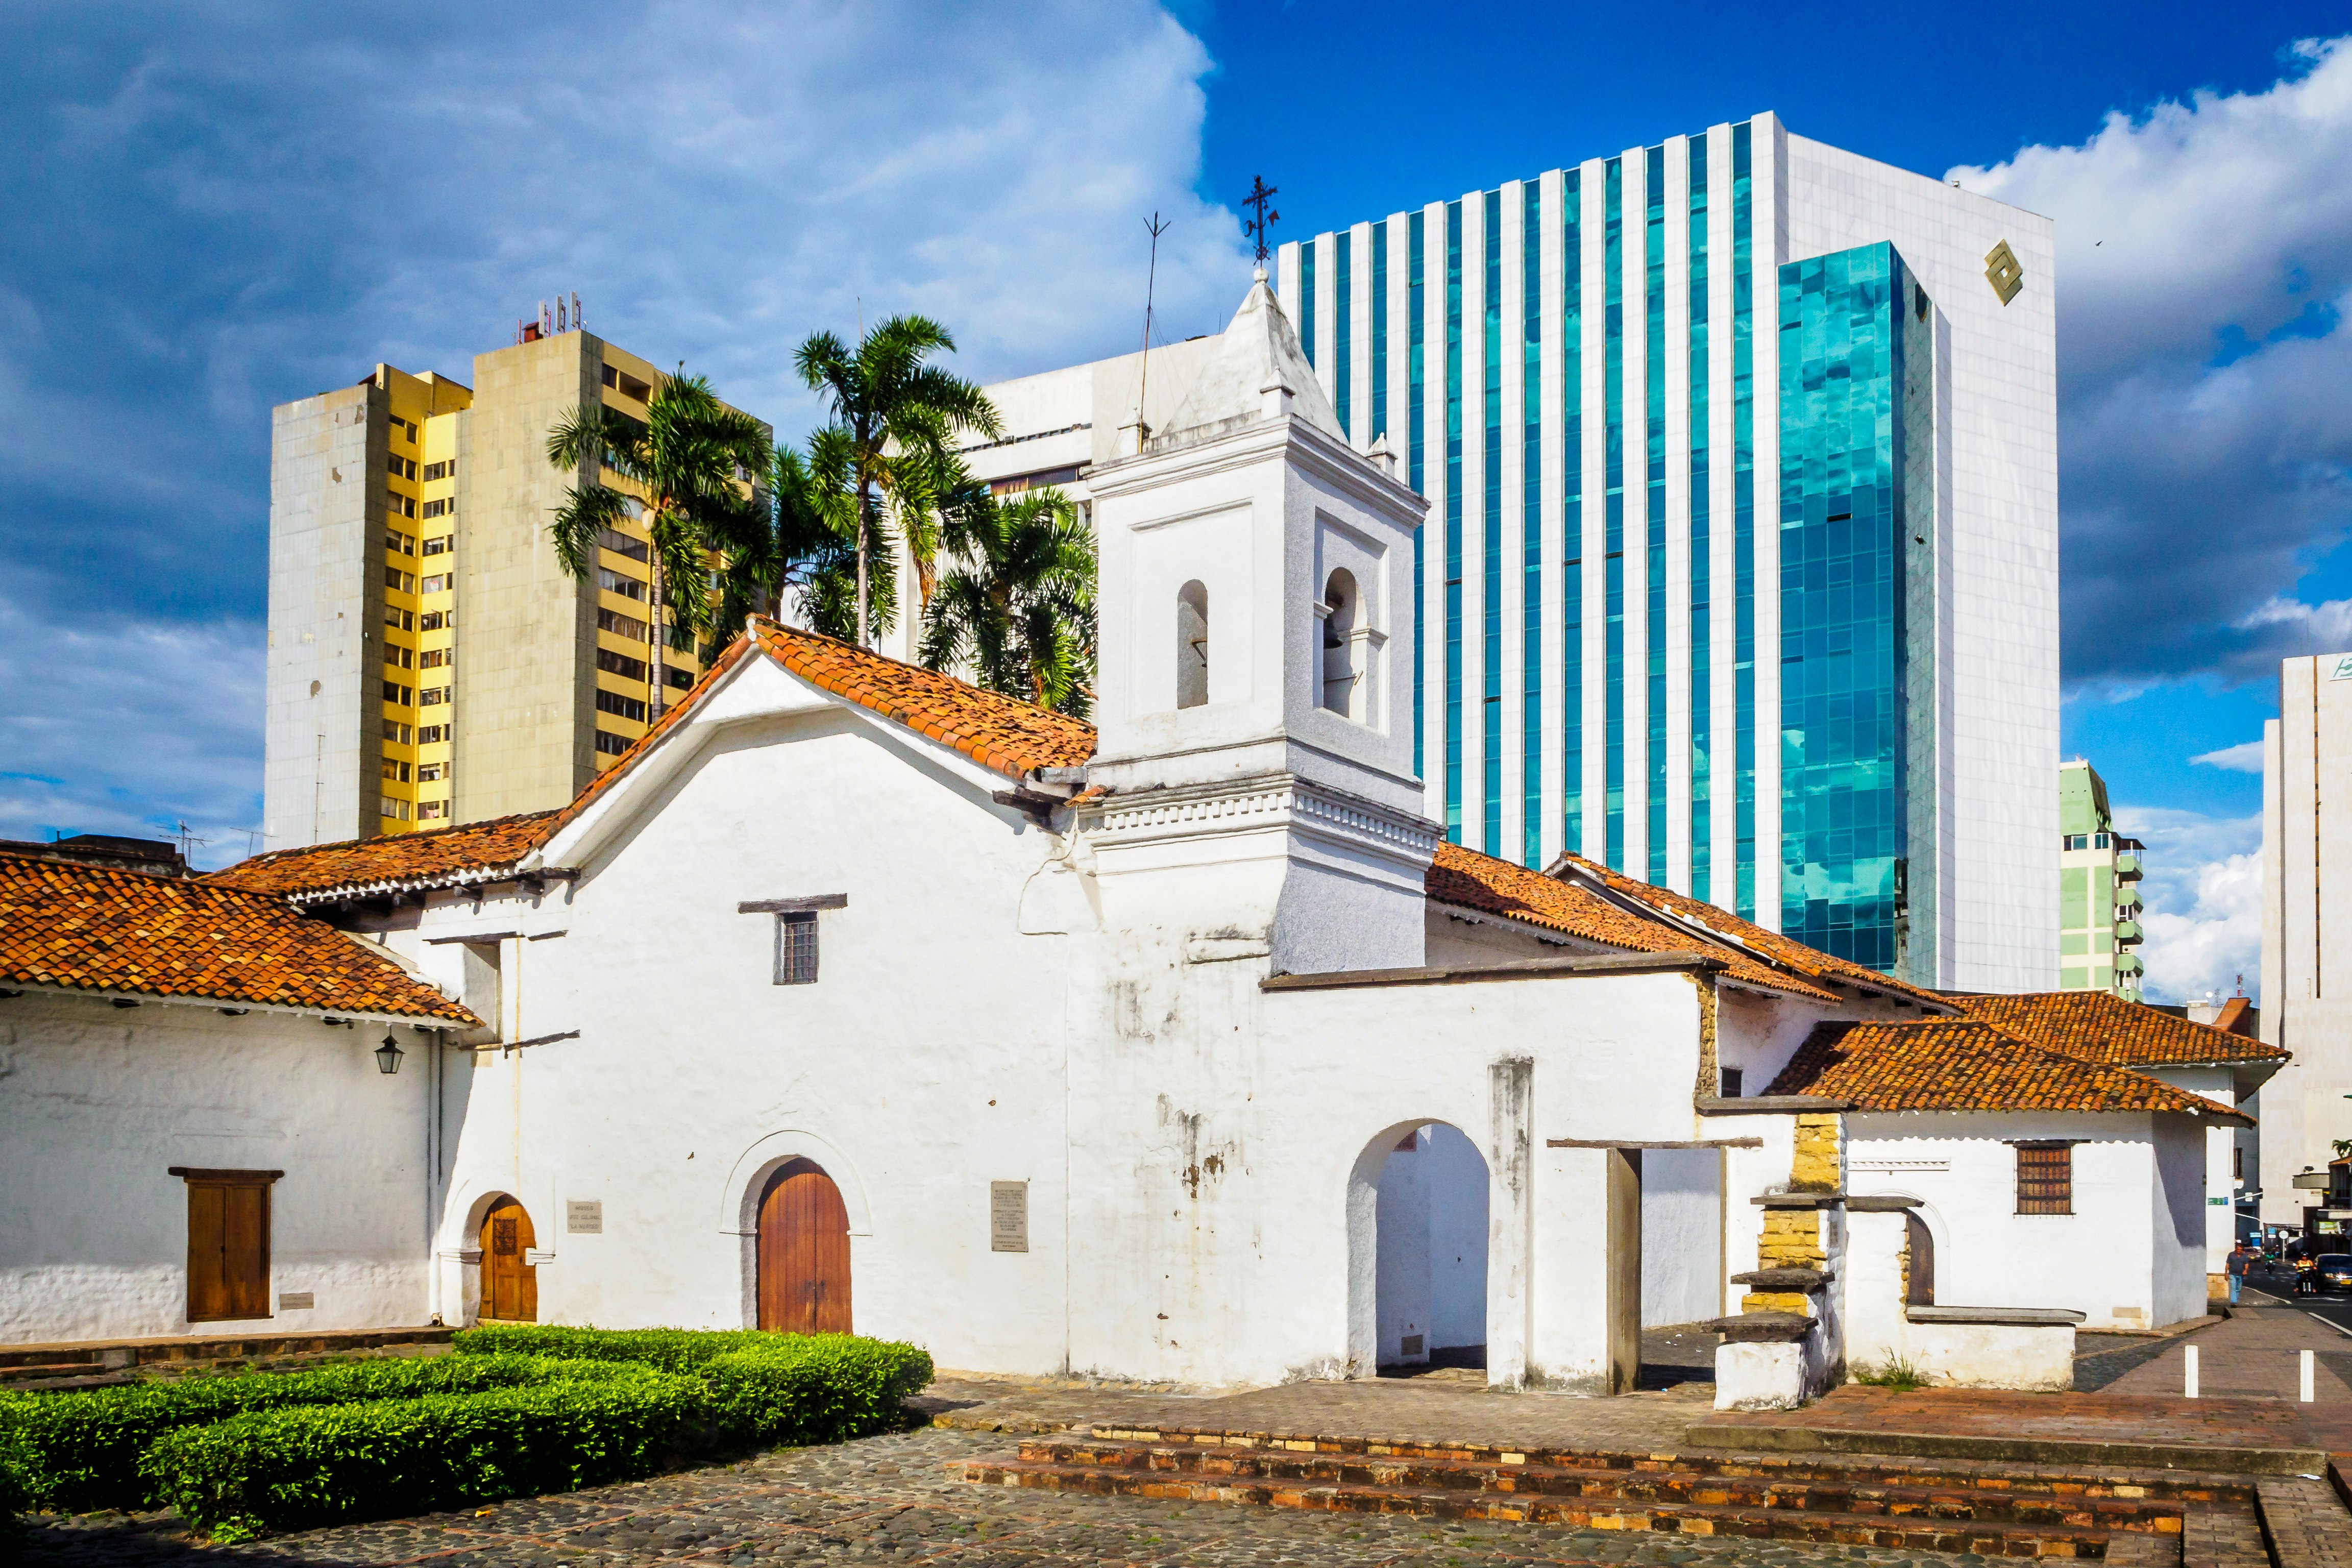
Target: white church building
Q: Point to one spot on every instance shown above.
(1179, 1047)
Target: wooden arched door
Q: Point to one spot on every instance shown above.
(510, 1283)
(803, 1252)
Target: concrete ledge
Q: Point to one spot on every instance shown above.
(1760, 1327)
(1781, 1279)
(2010, 1316)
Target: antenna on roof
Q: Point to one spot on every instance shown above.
(575, 309)
(188, 839)
(1151, 281)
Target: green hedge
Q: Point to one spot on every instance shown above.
(520, 1410)
(301, 1465)
(765, 1387)
(81, 1448)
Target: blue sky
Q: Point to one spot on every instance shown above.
(216, 208)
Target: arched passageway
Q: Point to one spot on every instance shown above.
(1431, 1252)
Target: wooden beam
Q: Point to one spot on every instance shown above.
(792, 906)
(1654, 1143)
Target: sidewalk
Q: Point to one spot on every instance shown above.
(2252, 1354)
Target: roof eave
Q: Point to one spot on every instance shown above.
(240, 1005)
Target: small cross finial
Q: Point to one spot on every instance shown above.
(1260, 195)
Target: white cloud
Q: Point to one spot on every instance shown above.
(130, 728)
(2205, 267)
(2246, 757)
(215, 210)
(2204, 897)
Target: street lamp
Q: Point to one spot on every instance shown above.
(387, 1056)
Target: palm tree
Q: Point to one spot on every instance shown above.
(894, 413)
(691, 455)
(1018, 608)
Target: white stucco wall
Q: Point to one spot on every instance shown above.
(97, 1102)
(1682, 1235)
(2131, 1253)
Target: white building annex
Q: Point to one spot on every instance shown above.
(1183, 1048)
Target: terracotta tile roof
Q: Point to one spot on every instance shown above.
(443, 856)
(1015, 738)
(87, 928)
(1475, 881)
(1772, 947)
(1965, 1063)
(2100, 1026)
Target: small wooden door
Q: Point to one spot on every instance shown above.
(510, 1283)
(228, 1245)
(803, 1253)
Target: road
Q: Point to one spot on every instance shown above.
(2336, 1311)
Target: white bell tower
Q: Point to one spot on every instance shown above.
(1255, 598)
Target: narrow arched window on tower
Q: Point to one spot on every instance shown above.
(1340, 672)
(1191, 645)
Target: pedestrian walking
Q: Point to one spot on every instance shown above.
(2241, 1259)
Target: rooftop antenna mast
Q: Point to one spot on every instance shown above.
(1151, 281)
(1260, 195)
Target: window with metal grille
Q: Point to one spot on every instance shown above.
(796, 948)
(2046, 1178)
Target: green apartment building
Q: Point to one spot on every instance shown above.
(2098, 889)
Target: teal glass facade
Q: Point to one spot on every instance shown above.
(1612, 458)
(1571, 447)
(1743, 523)
(1416, 317)
(1702, 571)
(1654, 512)
(1855, 421)
(1453, 522)
(1343, 333)
(1589, 660)
(1531, 747)
(1490, 574)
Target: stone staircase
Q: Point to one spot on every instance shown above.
(2137, 1518)
(95, 1363)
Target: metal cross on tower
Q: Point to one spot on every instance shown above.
(1260, 194)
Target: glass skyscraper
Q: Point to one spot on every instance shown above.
(1792, 650)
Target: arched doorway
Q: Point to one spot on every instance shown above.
(510, 1283)
(803, 1252)
(1918, 1261)
(1430, 1252)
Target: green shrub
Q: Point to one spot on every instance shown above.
(16, 1466)
(301, 1465)
(765, 1387)
(82, 1447)
(815, 1388)
(672, 1349)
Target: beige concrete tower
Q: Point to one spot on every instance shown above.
(429, 659)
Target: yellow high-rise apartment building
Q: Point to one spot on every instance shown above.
(429, 659)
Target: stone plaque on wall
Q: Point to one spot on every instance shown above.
(1008, 1216)
(296, 1301)
(584, 1216)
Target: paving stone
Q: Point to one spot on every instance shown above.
(896, 1500)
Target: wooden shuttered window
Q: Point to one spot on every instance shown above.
(228, 1243)
(2046, 1178)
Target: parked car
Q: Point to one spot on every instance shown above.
(2332, 1272)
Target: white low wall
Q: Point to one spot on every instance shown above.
(1961, 1354)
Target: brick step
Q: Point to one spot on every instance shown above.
(1839, 1469)
(42, 1371)
(1678, 1485)
(1706, 1521)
